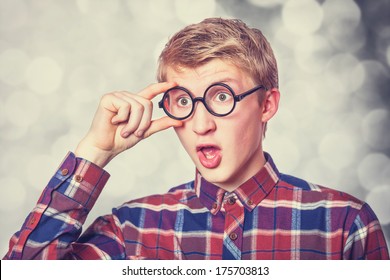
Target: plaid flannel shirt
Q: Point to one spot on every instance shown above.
(270, 216)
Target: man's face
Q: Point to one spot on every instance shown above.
(226, 150)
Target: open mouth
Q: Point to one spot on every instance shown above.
(209, 155)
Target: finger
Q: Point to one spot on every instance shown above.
(142, 112)
(146, 117)
(153, 90)
(117, 106)
(161, 124)
(136, 113)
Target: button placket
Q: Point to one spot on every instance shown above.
(234, 220)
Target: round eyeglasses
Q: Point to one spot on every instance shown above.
(219, 99)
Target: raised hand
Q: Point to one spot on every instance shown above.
(121, 121)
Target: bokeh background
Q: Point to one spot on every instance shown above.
(58, 57)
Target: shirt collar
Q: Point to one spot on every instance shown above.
(250, 193)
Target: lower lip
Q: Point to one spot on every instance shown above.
(212, 160)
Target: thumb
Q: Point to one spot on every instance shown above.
(161, 124)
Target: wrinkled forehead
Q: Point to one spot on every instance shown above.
(169, 70)
(215, 71)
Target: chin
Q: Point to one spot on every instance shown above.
(218, 176)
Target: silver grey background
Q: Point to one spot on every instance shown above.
(58, 57)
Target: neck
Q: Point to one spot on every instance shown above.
(241, 177)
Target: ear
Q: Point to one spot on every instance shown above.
(270, 104)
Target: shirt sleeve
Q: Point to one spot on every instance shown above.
(52, 229)
(366, 240)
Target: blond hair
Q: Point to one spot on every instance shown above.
(226, 39)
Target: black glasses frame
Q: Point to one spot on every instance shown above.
(237, 98)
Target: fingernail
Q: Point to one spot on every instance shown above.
(125, 134)
(139, 133)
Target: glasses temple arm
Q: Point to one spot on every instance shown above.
(245, 94)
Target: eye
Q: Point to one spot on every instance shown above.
(223, 96)
(183, 101)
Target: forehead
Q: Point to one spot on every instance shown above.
(214, 71)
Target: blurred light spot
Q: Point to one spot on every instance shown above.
(337, 150)
(174, 176)
(285, 152)
(44, 75)
(87, 80)
(39, 169)
(22, 108)
(159, 14)
(146, 159)
(375, 75)
(375, 72)
(266, 3)
(14, 158)
(159, 47)
(302, 17)
(312, 53)
(285, 37)
(13, 14)
(163, 10)
(342, 20)
(63, 144)
(315, 171)
(346, 39)
(343, 13)
(349, 183)
(189, 11)
(333, 97)
(300, 98)
(79, 114)
(100, 8)
(187, 165)
(378, 198)
(348, 70)
(13, 64)
(374, 171)
(122, 181)
(284, 120)
(13, 194)
(376, 129)
(12, 132)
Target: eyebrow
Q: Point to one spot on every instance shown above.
(226, 80)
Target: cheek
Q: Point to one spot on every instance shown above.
(184, 137)
(244, 136)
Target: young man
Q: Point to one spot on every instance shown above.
(220, 85)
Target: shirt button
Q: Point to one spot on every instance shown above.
(250, 202)
(233, 236)
(64, 172)
(215, 205)
(78, 178)
(32, 221)
(231, 200)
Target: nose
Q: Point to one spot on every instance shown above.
(202, 121)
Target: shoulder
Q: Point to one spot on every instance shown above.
(310, 193)
(316, 200)
(179, 195)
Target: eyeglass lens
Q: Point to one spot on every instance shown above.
(179, 103)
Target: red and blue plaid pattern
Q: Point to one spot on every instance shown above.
(271, 216)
